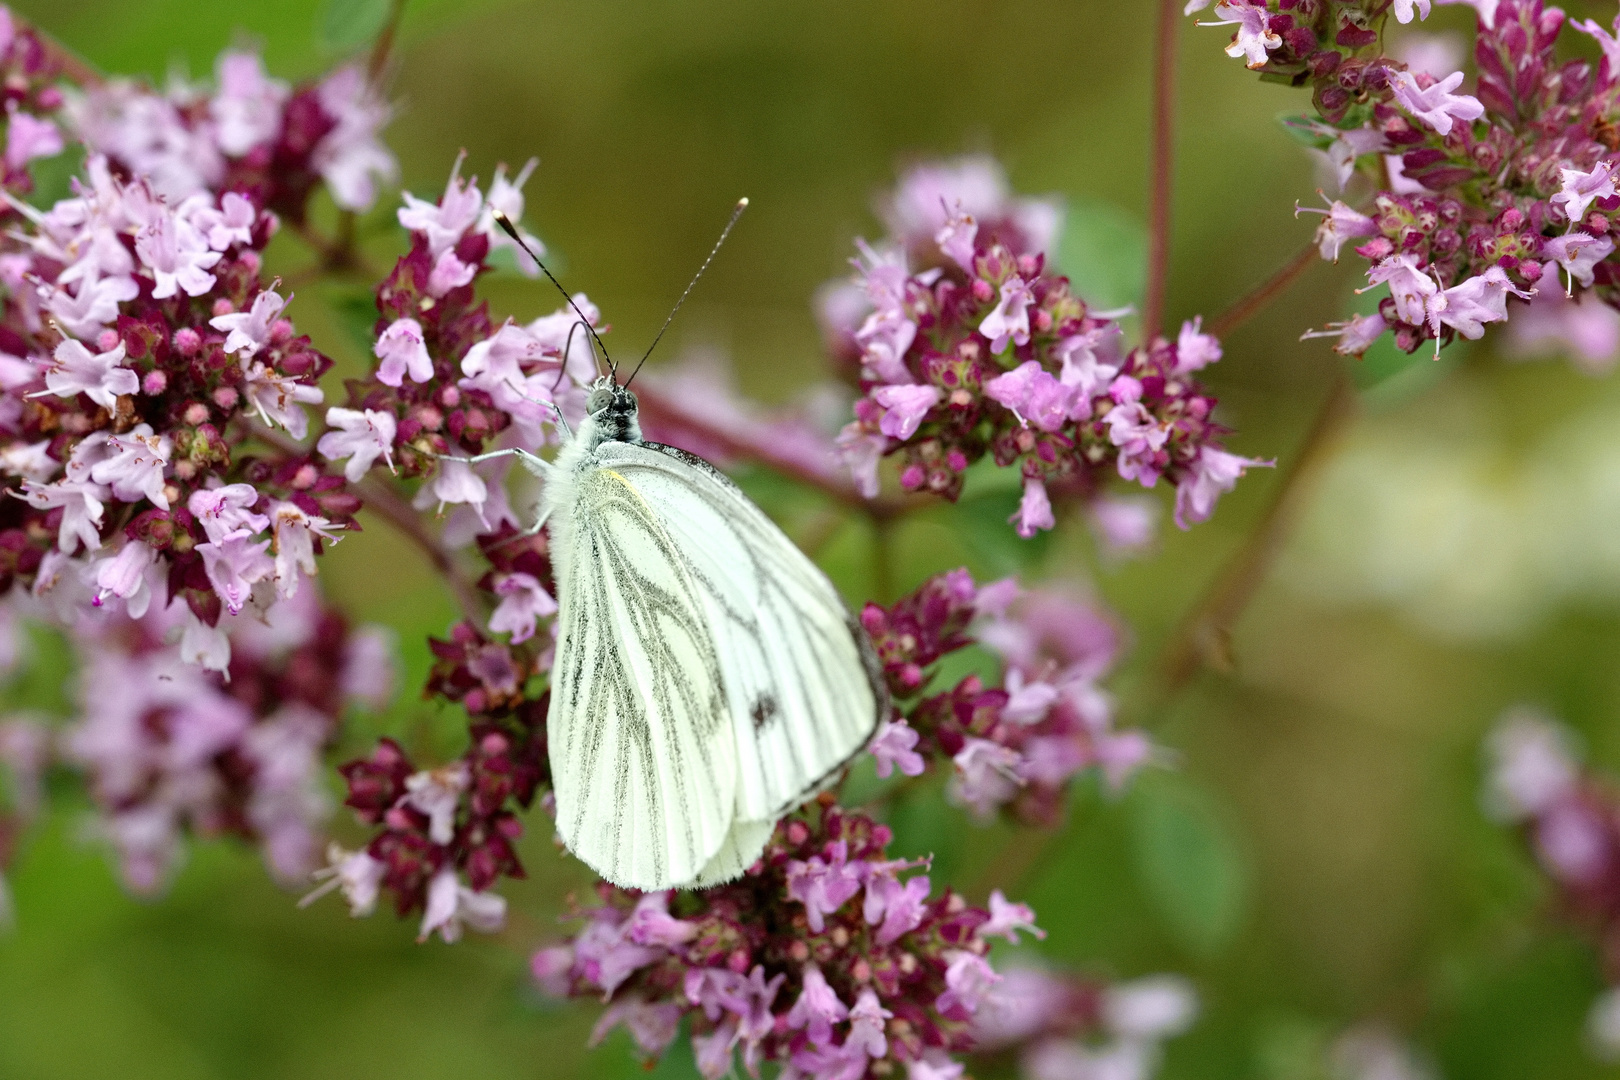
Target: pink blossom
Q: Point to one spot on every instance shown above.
(652, 924)
(888, 331)
(1254, 38)
(1211, 475)
(1339, 223)
(225, 510)
(1034, 509)
(356, 873)
(249, 331)
(1027, 701)
(1587, 330)
(28, 137)
(101, 377)
(1123, 524)
(350, 158)
(1090, 362)
(362, 436)
(231, 224)
(444, 223)
(931, 195)
(1573, 843)
(907, 405)
(987, 775)
(1150, 1009)
(93, 307)
(206, 646)
(1139, 436)
(507, 197)
(955, 238)
(401, 350)
(1532, 766)
(1486, 9)
(713, 1051)
(495, 366)
(817, 1009)
(456, 483)
(523, 603)
(127, 576)
(1009, 320)
(552, 969)
(823, 885)
(1581, 189)
(1007, 918)
(246, 110)
(233, 564)
(177, 255)
(370, 667)
(437, 793)
(968, 981)
(892, 747)
(29, 460)
(1195, 350)
(1034, 394)
(605, 956)
(451, 904)
(449, 273)
(1121, 754)
(133, 465)
(1406, 9)
(81, 504)
(1435, 104)
(861, 452)
(1607, 42)
(1467, 307)
(295, 533)
(933, 1065)
(651, 1026)
(279, 399)
(1415, 292)
(1578, 253)
(894, 908)
(1356, 335)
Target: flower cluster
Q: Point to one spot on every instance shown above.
(1500, 194)
(1572, 820)
(969, 345)
(1060, 1026)
(32, 97)
(823, 958)
(142, 348)
(170, 747)
(1015, 746)
(447, 380)
(249, 133)
(438, 826)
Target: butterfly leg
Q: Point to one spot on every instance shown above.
(539, 466)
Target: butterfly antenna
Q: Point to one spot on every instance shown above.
(742, 204)
(511, 230)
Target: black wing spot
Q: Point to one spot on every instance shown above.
(764, 710)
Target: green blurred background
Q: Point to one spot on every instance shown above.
(1317, 858)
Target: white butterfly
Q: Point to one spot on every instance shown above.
(708, 679)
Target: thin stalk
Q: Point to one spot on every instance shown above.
(1204, 635)
(1264, 293)
(382, 48)
(1162, 167)
(76, 68)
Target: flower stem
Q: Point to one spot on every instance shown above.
(381, 49)
(1204, 635)
(1264, 293)
(1162, 168)
(828, 480)
(76, 68)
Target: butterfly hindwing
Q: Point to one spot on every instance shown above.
(644, 757)
(804, 690)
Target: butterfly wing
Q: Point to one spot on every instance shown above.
(642, 750)
(804, 688)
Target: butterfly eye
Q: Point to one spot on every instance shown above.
(599, 400)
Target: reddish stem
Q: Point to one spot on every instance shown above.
(1162, 167)
(1274, 286)
(1204, 635)
(74, 67)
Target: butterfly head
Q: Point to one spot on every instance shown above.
(612, 411)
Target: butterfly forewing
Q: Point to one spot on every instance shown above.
(801, 682)
(642, 742)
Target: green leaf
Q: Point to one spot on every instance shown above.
(1104, 253)
(984, 525)
(348, 24)
(1191, 865)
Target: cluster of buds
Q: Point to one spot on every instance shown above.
(249, 133)
(1502, 194)
(170, 748)
(967, 344)
(822, 958)
(1571, 817)
(1060, 1026)
(445, 836)
(1013, 747)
